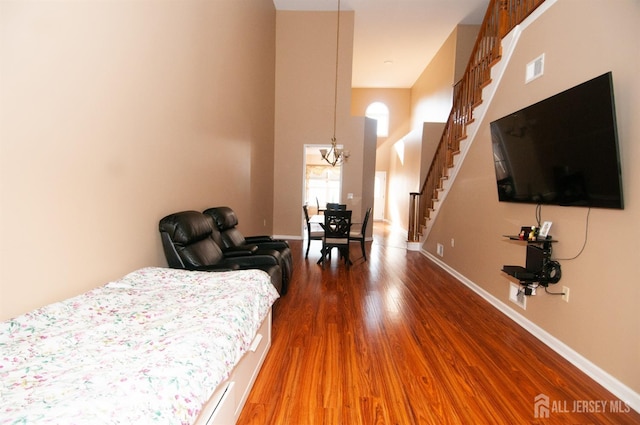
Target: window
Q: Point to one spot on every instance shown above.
(322, 182)
(379, 111)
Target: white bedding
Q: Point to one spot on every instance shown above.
(148, 348)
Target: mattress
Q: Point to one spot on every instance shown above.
(150, 347)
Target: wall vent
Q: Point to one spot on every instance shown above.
(535, 69)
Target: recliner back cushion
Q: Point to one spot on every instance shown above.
(226, 221)
(186, 227)
(233, 237)
(201, 253)
(225, 218)
(191, 234)
(216, 235)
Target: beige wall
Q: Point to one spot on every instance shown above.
(114, 114)
(368, 174)
(415, 114)
(403, 177)
(431, 136)
(397, 100)
(601, 321)
(305, 88)
(399, 103)
(465, 39)
(430, 102)
(432, 93)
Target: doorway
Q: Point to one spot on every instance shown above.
(322, 182)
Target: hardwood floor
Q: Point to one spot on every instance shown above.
(396, 340)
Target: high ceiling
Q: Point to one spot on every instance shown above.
(394, 40)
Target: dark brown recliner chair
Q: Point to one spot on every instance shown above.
(226, 221)
(252, 249)
(188, 242)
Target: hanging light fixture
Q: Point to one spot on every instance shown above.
(334, 155)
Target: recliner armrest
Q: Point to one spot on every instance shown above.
(251, 260)
(239, 251)
(217, 268)
(258, 238)
(276, 244)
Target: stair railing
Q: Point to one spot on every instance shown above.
(500, 18)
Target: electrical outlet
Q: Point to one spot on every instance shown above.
(565, 291)
(517, 296)
(440, 249)
(453, 242)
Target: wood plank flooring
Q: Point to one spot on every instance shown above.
(396, 340)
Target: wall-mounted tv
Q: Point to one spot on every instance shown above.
(562, 150)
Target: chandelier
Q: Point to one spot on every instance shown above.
(334, 155)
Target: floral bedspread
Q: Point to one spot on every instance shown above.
(148, 348)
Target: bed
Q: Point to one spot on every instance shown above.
(161, 346)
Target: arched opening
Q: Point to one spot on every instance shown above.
(379, 111)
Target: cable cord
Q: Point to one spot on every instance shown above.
(586, 237)
(552, 293)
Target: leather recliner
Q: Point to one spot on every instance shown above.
(188, 243)
(252, 249)
(226, 221)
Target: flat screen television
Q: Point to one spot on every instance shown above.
(562, 150)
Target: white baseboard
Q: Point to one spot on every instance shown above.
(617, 388)
(288, 237)
(300, 238)
(414, 246)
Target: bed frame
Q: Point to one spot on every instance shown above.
(226, 403)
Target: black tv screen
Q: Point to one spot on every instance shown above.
(562, 150)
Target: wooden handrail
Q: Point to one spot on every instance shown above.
(501, 17)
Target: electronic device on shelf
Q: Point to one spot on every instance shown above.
(539, 267)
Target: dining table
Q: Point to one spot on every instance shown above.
(319, 219)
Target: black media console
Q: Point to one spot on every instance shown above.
(539, 268)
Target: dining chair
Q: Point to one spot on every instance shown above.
(314, 231)
(335, 206)
(337, 224)
(320, 210)
(359, 235)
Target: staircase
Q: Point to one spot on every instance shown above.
(501, 17)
